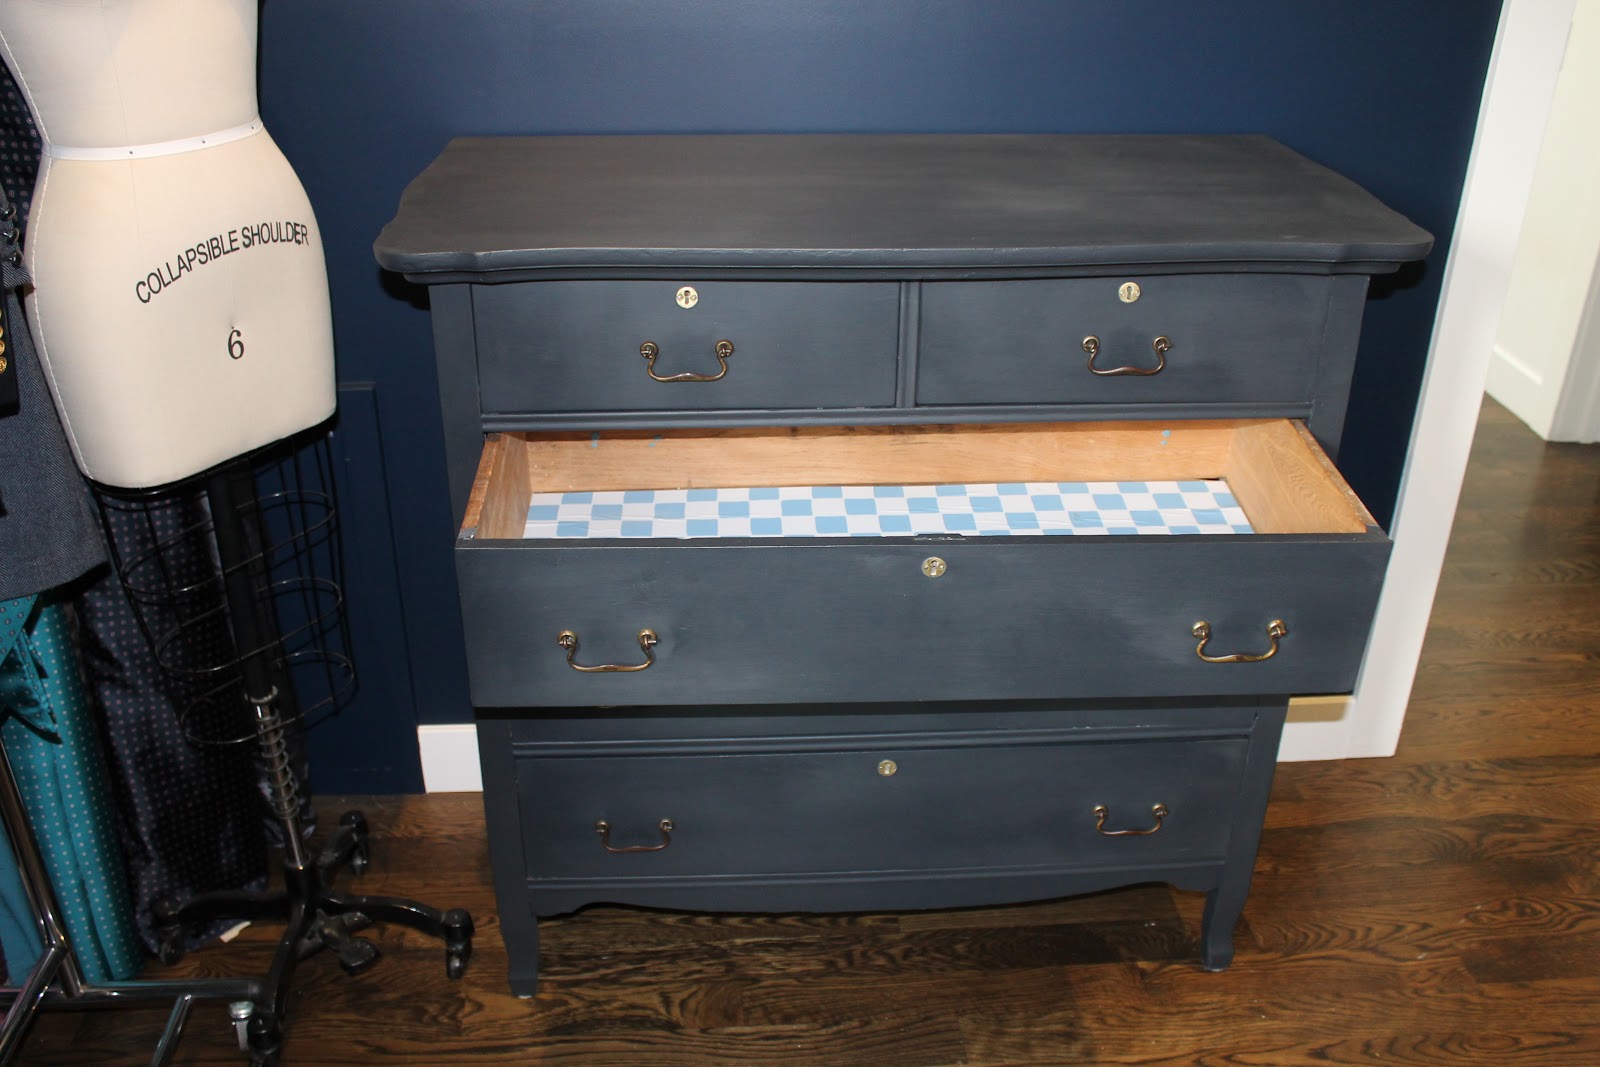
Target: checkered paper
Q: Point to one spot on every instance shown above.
(891, 510)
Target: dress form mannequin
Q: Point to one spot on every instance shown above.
(181, 306)
(180, 295)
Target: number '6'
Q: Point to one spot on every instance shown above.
(236, 344)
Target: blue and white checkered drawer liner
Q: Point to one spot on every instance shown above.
(891, 510)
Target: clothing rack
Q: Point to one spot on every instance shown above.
(56, 981)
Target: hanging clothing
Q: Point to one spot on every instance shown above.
(189, 818)
(20, 945)
(52, 742)
(192, 818)
(48, 533)
(48, 538)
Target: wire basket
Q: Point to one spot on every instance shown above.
(162, 545)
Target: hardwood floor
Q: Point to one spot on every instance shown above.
(1440, 907)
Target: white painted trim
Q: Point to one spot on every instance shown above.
(1511, 121)
(1577, 416)
(1318, 728)
(1517, 366)
(450, 758)
(1520, 387)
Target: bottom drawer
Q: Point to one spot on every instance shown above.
(938, 803)
(871, 807)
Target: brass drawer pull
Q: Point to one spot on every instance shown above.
(1162, 346)
(603, 828)
(1275, 630)
(647, 641)
(1101, 811)
(650, 350)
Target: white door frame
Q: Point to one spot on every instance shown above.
(1518, 91)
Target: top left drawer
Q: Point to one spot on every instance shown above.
(576, 345)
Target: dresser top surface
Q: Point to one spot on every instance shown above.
(910, 202)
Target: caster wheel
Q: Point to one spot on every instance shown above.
(457, 942)
(356, 822)
(357, 955)
(265, 1038)
(169, 949)
(361, 855)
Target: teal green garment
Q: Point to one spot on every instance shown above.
(19, 934)
(49, 735)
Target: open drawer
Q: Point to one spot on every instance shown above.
(1280, 610)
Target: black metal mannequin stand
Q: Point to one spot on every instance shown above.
(316, 917)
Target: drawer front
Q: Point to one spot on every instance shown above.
(977, 805)
(1008, 618)
(1235, 338)
(574, 346)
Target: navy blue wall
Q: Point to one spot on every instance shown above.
(361, 94)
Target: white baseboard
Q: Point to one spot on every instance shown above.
(450, 758)
(1318, 729)
(1517, 366)
(1520, 387)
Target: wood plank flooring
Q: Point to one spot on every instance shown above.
(1438, 908)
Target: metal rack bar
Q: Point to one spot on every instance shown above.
(56, 981)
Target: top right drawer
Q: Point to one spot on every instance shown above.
(1190, 338)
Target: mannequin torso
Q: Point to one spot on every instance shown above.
(180, 295)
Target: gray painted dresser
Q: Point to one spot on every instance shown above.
(892, 722)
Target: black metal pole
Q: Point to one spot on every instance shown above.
(245, 580)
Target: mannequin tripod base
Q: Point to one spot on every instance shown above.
(315, 918)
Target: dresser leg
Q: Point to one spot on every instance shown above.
(1223, 907)
(522, 951)
(1225, 903)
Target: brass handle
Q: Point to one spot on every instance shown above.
(650, 350)
(647, 640)
(1101, 811)
(603, 828)
(1162, 346)
(1275, 630)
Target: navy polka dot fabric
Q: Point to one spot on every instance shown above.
(19, 145)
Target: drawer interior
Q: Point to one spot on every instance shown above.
(1271, 468)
